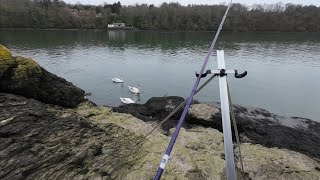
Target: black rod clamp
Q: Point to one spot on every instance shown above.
(204, 74)
(222, 72)
(236, 75)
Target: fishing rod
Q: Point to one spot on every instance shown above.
(166, 156)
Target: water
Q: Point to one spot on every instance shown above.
(283, 68)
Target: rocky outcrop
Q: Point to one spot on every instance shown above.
(255, 125)
(25, 77)
(272, 163)
(41, 142)
(154, 110)
(38, 141)
(259, 126)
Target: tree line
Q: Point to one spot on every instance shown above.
(42, 14)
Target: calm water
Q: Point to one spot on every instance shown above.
(283, 68)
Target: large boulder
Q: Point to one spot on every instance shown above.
(23, 76)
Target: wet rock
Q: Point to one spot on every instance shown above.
(155, 109)
(255, 125)
(23, 76)
(155, 106)
(271, 130)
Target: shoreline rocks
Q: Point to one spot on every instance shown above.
(39, 141)
(23, 76)
(255, 125)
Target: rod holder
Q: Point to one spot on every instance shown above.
(204, 74)
(237, 75)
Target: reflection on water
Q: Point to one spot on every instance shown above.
(283, 68)
(117, 35)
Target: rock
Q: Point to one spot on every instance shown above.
(5, 59)
(49, 146)
(155, 109)
(255, 125)
(155, 106)
(272, 163)
(271, 130)
(198, 152)
(5, 53)
(93, 142)
(203, 112)
(23, 76)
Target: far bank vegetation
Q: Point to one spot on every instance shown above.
(43, 14)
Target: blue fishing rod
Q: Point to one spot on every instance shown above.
(166, 156)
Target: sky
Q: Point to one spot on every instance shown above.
(186, 2)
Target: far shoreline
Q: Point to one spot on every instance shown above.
(147, 30)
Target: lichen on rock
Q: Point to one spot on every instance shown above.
(93, 142)
(5, 59)
(5, 53)
(24, 76)
(199, 152)
(26, 67)
(273, 163)
(195, 154)
(203, 111)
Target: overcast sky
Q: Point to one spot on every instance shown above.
(186, 2)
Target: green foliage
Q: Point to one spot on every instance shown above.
(172, 16)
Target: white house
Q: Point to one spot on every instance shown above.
(116, 25)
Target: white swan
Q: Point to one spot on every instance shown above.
(128, 100)
(118, 80)
(134, 89)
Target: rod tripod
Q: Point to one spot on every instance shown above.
(222, 73)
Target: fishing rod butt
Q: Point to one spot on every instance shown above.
(158, 175)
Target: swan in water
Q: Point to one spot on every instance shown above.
(134, 89)
(128, 100)
(118, 80)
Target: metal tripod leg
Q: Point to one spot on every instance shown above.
(226, 123)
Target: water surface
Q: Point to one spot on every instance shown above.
(283, 68)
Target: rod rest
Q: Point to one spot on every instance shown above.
(239, 75)
(204, 74)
